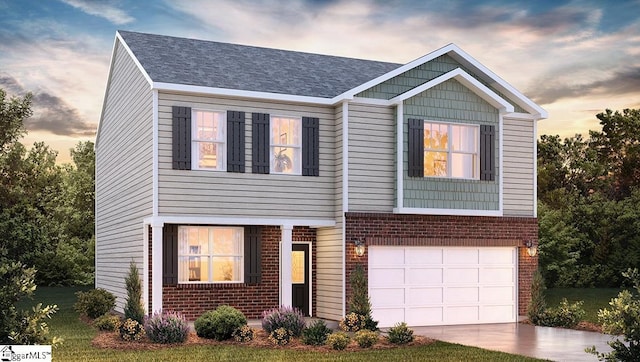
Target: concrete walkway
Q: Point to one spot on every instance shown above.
(556, 344)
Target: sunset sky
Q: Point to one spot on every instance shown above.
(574, 58)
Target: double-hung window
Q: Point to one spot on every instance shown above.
(286, 145)
(451, 150)
(210, 254)
(209, 140)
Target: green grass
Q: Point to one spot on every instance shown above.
(77, 345)
(594, 299)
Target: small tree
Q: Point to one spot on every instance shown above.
(623, 318)
(134, 309)
(359, 301)
(538, 305)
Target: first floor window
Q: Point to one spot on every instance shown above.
(210, 254)
(451, 150)
(209, 140)
(286, 145)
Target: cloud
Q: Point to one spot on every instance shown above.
(50, 112)
(103, 9)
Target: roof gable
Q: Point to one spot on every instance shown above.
(202, 63)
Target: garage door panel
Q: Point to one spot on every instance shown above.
(461, 276)
(460, 315)
(496, 294)
(422, 256)
(387, 297)
(460, 256)
(491, 256)
(424, 296)
(388, 316)
(497, 275)
(422, 276)
(442, 285)
(390, 256)
(385, 277)
(425, 316)
(461, 295)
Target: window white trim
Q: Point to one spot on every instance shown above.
(221, 142)
(450, 151)
(297, 161)
(210, 255)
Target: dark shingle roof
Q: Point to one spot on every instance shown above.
(222, 65)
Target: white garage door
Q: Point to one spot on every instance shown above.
(442, 285)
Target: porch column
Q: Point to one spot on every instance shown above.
(156, 267)
(285, 265)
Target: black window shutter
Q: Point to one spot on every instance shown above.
(235, 141)
(260, 143)
(181, 138)
(170, 254)
(487, 153)
(310, 146)
(252, 255)
(416, 147)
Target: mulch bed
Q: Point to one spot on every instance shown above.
(111, 340)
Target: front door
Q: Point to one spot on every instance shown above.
(300, 276)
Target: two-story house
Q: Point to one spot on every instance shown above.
(260, 177)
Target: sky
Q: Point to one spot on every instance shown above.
(574, 58)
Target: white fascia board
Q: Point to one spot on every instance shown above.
(184, 88)
(217, 220)
(468, 81)
(447, 212)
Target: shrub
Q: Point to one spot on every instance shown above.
(338, 340)
(537, 306)
(366, 338)
(288, 318)
(243, 334)
(359, 302)
(133, 308)
(316, 334)
(280, 336)
(565, 315)
(220, 323)
(131, 330)
(107, 322)
(622, 318)
(167, 327)
(94, 303)
(400, 334)
(353, 322)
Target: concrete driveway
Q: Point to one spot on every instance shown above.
(555, 344)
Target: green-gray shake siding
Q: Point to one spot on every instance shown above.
(419, 75)
(328, 268)
(453, 103)
(124, 162)
(372, 158)
(216, 193)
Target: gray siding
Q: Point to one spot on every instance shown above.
(123, 174)
(371, 158)
(214, 193)
(329, 272)
(518, 168)
(450, 102)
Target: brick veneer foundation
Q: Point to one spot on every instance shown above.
(434, 230)
(194, 299)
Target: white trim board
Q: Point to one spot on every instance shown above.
(448, 212)
(221, 220)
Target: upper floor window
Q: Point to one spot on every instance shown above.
(208, 141)
(210, 254)
(286, 145)
(451, 150)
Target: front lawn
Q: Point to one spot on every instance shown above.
(77, 345)
(594, 299)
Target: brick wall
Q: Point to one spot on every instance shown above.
(434, 230)
(194, 299)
